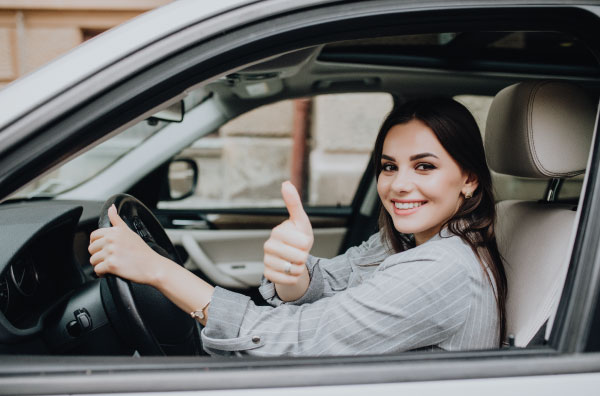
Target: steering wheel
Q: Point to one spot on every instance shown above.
(140, 314)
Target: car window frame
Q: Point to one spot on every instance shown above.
(580, 296)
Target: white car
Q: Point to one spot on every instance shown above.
(138, 110)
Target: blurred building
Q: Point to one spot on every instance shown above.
(33, 32)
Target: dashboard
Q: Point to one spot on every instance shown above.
(44, 246)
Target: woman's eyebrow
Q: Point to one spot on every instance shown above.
(387, 157)
(422, 155)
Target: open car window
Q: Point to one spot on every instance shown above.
(322, 144)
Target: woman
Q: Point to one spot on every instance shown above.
(431, 278)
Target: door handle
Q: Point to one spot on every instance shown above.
(196, 224)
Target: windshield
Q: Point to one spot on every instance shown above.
(91, 163)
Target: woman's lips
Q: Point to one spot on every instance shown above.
(404, 208)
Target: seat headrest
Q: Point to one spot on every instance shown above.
(540, 129)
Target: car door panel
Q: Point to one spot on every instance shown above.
(234, 258)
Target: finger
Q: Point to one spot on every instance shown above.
(115, 219)
(293, 204)
(97, 258)
(277, 264)
(100, 269)
(285, 252)
(289, 234)
(96, 245)
(278, 277)
(99, 233)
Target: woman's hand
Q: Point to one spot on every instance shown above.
(286, 251)
(120, 251)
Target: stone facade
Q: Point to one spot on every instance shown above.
(344, 130)
(33, 32)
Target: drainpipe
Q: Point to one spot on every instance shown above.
(300, 135)
(21, 47)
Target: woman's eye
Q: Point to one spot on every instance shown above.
(424, 166)
(388, 167)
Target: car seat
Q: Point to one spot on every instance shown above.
(537, 129)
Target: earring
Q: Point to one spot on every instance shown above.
(468, 195)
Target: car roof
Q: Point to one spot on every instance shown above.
(39, 87)
(32, 90)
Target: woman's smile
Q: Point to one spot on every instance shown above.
(407, 207)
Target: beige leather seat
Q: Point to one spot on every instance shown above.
(537, 129)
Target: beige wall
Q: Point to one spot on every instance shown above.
(33, 32)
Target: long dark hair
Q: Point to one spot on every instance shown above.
(474, 221)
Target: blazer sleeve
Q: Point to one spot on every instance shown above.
(329, 276)
(405, 305)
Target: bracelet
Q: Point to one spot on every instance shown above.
(199, 314)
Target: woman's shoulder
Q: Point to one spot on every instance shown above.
(372, 248)
(444, 247)
(376, 241)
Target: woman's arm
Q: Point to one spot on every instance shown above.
(120, 251)
(417, 300)
(329, 276)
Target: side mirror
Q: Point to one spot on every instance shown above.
(182, 179)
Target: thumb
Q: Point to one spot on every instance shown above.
(293, 204)
(114, 218)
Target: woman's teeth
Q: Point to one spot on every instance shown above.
(407, 205)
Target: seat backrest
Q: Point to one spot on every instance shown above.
(534, 241)
(539, 129)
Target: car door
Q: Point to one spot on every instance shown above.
(208, 48)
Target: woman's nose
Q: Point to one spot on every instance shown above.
(402, 182)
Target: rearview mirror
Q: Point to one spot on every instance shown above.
(173, 113)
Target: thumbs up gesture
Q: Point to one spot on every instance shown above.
(286, 250)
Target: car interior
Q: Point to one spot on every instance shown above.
(538, 135)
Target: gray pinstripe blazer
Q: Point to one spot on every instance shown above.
(366, 301)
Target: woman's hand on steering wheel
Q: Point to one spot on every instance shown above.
(287, 249)
(120, 251)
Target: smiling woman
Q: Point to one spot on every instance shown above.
(432, 295)
(432, 174)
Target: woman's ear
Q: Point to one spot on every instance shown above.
(471, 184)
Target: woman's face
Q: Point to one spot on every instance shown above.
(420, 184)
